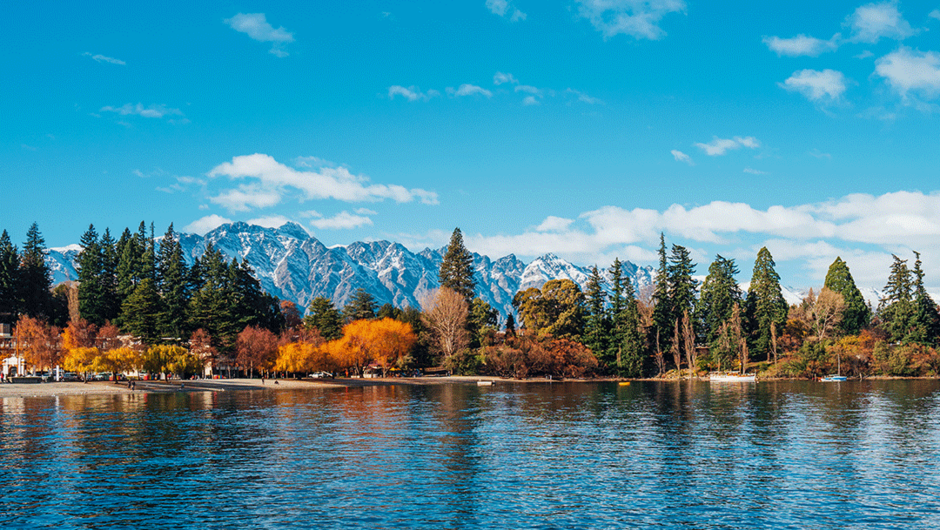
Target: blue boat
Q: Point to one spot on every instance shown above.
(834, 378)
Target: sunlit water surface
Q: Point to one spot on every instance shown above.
(562, 455)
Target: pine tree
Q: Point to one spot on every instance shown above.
(510, 325)
(481, 320)
(896, 308)
(457, 268)
(110, 300)
(765, 303)
(662, 310)
(856, 314)
(9, 272)
(91, 303)
(681, 285)
(35, 279)
(210, 307)
(128, 266)
(926, 318)
(174, 285)
(597, 321)
(719, 293)
(360, 307)
(141, 312)
(325, 318)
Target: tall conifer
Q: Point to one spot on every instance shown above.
(856, 314)
(765, 302)
(457, 268)
(35, 278)
(9, 271)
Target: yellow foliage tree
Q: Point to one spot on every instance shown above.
(303, 357)
(384, 341)
(84, 360)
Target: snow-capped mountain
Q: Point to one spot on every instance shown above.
(293, 265)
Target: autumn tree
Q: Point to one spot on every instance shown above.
(557, 309)
(38, 342)
(445, 316)
(256, 347)
(827, 311)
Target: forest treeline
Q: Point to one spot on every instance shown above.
(138, 305)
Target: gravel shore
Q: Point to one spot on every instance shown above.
(216, 385)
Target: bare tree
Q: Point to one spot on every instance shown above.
(773, 342)
(688, 337)
(660, 358)
(675, 349)
(827, 312)
(445, 314)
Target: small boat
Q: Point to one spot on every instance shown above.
(725, 377)
(484, 383)
(625, 383)
(836, 378)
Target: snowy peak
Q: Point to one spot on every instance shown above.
(293, 265)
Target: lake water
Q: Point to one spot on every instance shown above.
(562, 455)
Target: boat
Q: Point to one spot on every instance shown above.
(726, 377)
(836, 378)
(484, 383)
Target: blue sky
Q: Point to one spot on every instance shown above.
(582, 128)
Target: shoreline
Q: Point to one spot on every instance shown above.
(8, 390)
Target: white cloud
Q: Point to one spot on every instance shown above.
(584, 98)
(530, 100)
(104, 59)
(467, 89)
(151, 111)
(816, 153)
(752, 171)
(257, 27)
(554, 224)
(827, 85)
(528, 89)
(934, 14)
(411, 93)
(720, 146)
(500, 78)
(342, 221)
(682, 157)
(270, 181)
(365, 211)
(801, 45)
(637, 18)
(505, 7)
(270, 221)
(205, 224)
(911, 71)
(871, 22)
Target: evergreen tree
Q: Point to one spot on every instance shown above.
(682, 287)
(926, 318)
(210, 307)
(91, 303)
(388, 311)
(719, 293)
(141, 312)
(597, 321)
(765, 303)
(174, 285)
(856, 314)
(662, 311)
(360, 307)
(34, 277)
(510, 325)
(110, 300)
(9, 272)
(457, 268)
(325, 318)
(128, 267)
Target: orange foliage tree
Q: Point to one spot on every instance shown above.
(384, 341)
(38, 342)
(256, 347)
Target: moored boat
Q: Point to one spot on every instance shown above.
(836, 378)
(725, 377)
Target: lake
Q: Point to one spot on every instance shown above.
(513, 455)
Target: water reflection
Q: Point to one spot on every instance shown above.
(775, 454)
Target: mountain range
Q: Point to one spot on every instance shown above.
(293, 265)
